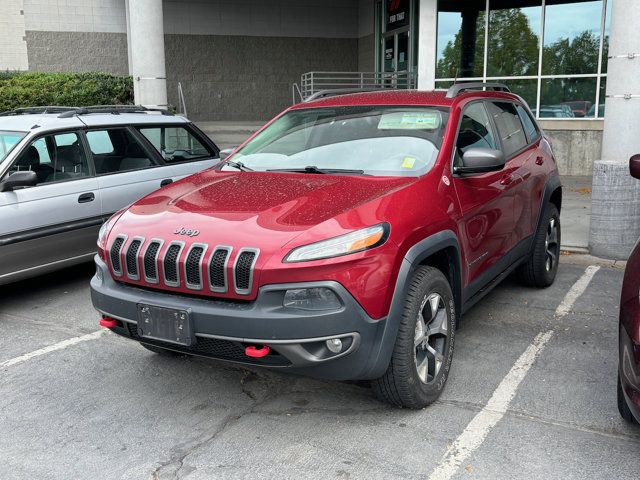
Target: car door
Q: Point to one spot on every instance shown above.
(55, 221)
(127, 168)
(486, 201)
(521, 155)
(182, 147)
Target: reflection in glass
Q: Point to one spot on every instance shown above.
(567, 97)
(572, 38)
(460, 39)
(527, 89)
(514, 38)
(605, 42)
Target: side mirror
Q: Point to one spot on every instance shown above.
(634, 166)
(19, 179)
(481, 160)
(226, 152)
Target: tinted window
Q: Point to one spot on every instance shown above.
(176, 144)
(529, 127)
(117, 150)
(475, 130)
(54, 158)
(509, 126)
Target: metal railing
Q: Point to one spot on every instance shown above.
(313, 82)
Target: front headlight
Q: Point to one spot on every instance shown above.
(343, 245)
(102, 233)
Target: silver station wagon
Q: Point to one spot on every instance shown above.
(64, 171)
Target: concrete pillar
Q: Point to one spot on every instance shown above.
(615, 209)
(427, 39)
(145, 41)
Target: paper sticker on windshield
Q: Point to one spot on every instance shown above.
(410, 120)
(408, 162)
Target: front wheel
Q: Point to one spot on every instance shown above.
(422, 354)
(541, 267)
(623, 408)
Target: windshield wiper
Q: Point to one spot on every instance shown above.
(314, 169)
(239, 165)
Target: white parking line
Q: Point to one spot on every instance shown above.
(52, 348)
(578, 289)
(477, 430)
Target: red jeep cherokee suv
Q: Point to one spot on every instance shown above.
(344, 240)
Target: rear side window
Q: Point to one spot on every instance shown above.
(509, 127)
(176, 144)
(117, 150)
(529, 126)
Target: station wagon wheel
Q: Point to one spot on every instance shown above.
(551, 244)
(423, 349)
(541, 267)
(430, 337)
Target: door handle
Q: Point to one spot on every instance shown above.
(165, 182)
(507, 180)
(86, 197)
(539, 160)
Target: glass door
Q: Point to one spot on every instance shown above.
(395, 52)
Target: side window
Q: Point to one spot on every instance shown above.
(54, 158)
(475, 130)
(117, 150)
(176, 144)
(529, 126)
(509, 127)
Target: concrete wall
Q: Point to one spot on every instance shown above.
(366, 36)
(75, 16)
(245, 77)
(99, 51)
(13, 48)
(576, 144)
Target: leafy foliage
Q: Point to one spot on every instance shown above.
(32, 89)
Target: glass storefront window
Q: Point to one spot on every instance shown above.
(567, 97)
(576, 35)
(571, 38)
(460, 44)
(514, 39)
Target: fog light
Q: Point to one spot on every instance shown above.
(334, 345)
(315, 299)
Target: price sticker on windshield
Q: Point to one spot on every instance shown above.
(410, 120)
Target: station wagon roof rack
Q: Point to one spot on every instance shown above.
(112, 109)
(458, 88)
(37, 110)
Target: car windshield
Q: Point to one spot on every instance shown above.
(369, 140)
(8, 140)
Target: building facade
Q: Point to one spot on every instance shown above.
(242, 60)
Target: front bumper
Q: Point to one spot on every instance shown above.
(224, 328)
(629, 365)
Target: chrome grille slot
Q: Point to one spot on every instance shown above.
(243, 270)
(131, 258)
(193, 266)
(114, 254)
(218, 269)
(150, 261)
(170, 264)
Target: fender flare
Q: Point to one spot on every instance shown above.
(437, 242)
(551, 186)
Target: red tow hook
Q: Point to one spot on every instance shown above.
(108, 322)
(255, 352)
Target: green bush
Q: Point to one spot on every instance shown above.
(33, 89)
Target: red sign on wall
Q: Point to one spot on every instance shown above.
(397, 14)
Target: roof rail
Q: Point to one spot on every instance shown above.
(37, 110)
(458, 88)
(342, 91)
(112, 109)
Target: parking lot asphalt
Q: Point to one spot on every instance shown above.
(100, 406)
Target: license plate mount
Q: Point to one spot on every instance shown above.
(165, 324)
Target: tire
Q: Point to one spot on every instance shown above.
(417, 373)
(623, 408)
(541, 267)
(163, 351)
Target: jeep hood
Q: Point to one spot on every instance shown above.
(253, 208)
